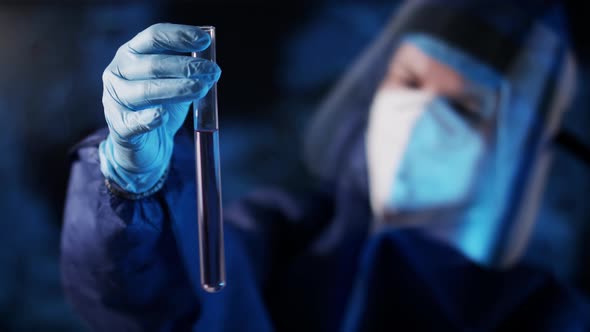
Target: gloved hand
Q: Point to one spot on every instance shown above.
(148, 88)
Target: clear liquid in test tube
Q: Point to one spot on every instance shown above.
(209, 206)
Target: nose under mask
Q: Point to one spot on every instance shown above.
(421, 154)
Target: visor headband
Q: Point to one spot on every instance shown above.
(468, 32)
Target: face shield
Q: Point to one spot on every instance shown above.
(431, 157)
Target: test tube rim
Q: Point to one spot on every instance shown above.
(207, 27)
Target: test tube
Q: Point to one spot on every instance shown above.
(209, 210)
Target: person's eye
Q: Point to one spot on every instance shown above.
(469, 110)
(405, 78)
(411, 83)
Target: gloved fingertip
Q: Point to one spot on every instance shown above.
(200, 39)
(209, 80)
(213, 73)
(213, 69)
(200, 67)
(217, 73)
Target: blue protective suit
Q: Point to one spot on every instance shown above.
(309, 261)
(294, 263)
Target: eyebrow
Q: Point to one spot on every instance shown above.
(406, 69)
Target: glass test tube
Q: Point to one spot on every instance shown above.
(209, 210)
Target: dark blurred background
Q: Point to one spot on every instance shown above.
(278, 61)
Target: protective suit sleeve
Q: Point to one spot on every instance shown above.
(120, 267)
(133, 265)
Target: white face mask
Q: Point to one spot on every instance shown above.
(420, 153)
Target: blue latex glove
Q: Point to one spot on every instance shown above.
(148, 88)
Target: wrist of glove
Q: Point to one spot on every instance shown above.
(136, 167)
